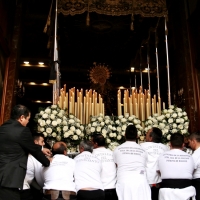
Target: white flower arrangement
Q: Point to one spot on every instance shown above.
(54, 123)
(112, 128)
(172, 120)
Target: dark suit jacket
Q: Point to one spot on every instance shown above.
(16, 143)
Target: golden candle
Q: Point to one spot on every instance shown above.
(153, 112)
(81, 113)
(87, 113)
(163, 105)
(136, 108)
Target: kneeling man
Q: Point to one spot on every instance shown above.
(59, 176)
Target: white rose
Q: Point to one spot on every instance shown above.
(183, 131)
(149, 122)
(126, 115)
(92, 129)
(59, 121)
(171, 107)
(42, 123)
(94, 124)
(186, 127)
(184, 113)
(123, 133)
(137, 126)
(54, 112)
(124, 127)
(82, 127)
(64, 123)
(98, 129)
(174, 115)
(170, 120)
(104, 135)
(123, 120)
(52, 116)
(71, 116)
(58, 129)
(174, 130)
(39, 120)
(168, 115)
(114, 135)
(120, 117)
(100, 114)
(48, 130)
(113, 128)
(102, 124)
(168, 137)
(66, 135)
(119, 137)
(135, 121)
(71, 121)
(82, 135)
(108, 140)
(139, 133)
(174, 125)
(89, 125)
(182, 120)
(117, 121)
(65, 128)
(71, 132)
(130, 118)
(45, 116)
(41, 112)
(78, 132)
(185, 118)
(54, 134)
(48, 121)
(165, 111)
(161, 125)
(107, 121)
(48, 111)
(45, 134)
(54, 123)
(75, 137)
(180, 114)
(54, 106)
(58, 138)
(119, 129)
(180, 126)
(60, 114)
(178, 121)
(72, 128)
(155, 125)
(100, 119)
(41, 129)
(104, 131)
(111, 135)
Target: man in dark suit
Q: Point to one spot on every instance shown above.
(15, 144)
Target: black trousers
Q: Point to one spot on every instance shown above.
(154, 193)
(196, 184)
(9, 193)
(110, 194)
(26, 194)
(90, 195)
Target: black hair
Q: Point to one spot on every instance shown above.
(18, 111)
(99, 139)
(131, 133)
(86, 145)
(176, 140)
(156, 135)
(195, 136)
(36, 136)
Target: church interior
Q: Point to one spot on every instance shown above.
(165, 39)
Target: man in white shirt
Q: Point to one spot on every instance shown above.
(59, 176)
(153, 148)
(176, 168)
(194, 143)
(88, 174)
(131, 160)
(109, 172)
(33, 174)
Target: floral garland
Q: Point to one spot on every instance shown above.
(56, 125)
(112, 128)
(172, 120)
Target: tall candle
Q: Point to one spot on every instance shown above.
(153, 109)
(81, 113)
(163, 105)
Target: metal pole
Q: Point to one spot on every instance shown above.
(148, 61)
(141, 68)
(167, 56)
(56, 87)
(157, 67)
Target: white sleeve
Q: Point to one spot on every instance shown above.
(30, 172)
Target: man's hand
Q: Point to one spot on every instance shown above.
(46, 152)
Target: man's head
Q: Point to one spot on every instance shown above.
(59, 148)
(194, 140)
(39, 139)
(154, 135)
(131, 133)
(98, 141)
(177, 141)
(86, 145)
(21, 114)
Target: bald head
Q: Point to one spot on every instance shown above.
(59, 148)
